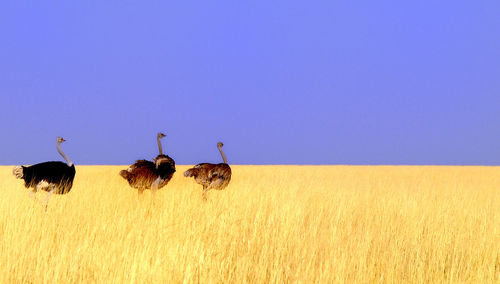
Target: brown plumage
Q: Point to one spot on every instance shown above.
(154, 175)
(211, 176)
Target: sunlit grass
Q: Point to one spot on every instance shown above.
(278, 224)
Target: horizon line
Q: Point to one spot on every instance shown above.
(343, 165)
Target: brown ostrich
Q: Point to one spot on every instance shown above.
(154, 175)
(216, 176)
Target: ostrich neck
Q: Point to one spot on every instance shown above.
(223, 155)
(68, 161)
(159, 146)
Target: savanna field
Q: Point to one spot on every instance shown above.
(273, 224)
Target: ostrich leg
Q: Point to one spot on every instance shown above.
(205, 191)
(154, 188)
(49, 194)
(33, 195)
(156, 184)
(41, 185)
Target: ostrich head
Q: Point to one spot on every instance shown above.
(219, 144)
(161, 135)
(60, 140)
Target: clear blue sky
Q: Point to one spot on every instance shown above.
(279, 82)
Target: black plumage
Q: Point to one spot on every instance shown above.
(56, 175)
(53, 177)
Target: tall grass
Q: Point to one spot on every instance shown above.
(278, 224)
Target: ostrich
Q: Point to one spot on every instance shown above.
(216, 176)
(145, 174)
(53, 177)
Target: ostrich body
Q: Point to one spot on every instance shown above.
(53, 177)
(154, 175)
(211, 176)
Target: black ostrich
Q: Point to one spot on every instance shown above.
(154, 175)
(53, 177)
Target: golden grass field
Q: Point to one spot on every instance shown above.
(273, 224)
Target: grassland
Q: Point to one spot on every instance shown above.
(278, 224)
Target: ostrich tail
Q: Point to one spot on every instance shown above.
(190, 172)
(18, 171)
(193, 172)
(124, 174)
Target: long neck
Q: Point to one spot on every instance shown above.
(68, 161)
(159, 146)
(223, 155)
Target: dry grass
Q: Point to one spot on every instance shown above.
(273, 224)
